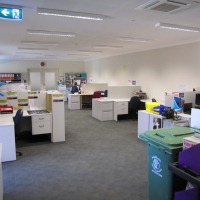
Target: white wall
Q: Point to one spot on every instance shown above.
(166, 69)
(22, 66)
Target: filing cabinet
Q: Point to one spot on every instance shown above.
(41, 124)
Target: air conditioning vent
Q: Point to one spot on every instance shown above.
(163, 5)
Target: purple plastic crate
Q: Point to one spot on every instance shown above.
(191, 194)
(190, 158)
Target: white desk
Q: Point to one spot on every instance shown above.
(75, 101)
(1, 177)
(7, 134)
(7, 137)
(102, 109)
(108, 109)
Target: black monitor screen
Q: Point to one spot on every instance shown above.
(187, 108)
(197, 100)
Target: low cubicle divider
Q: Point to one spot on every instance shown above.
(24, 99)
(121, 92)
(90, 88)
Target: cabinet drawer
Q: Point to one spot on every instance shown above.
(122, 108)
(107, 106)
(40, 118)
(75, 99)
(41, 128)
(75, 105)
(107, 116)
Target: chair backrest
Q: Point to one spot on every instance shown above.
(96, 94)
(17, 120)
(106, 93)
(134, 102)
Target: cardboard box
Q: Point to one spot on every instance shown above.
(190, 141)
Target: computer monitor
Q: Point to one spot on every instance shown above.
(187, 108)
(197, 99)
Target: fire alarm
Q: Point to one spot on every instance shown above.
(42, 64)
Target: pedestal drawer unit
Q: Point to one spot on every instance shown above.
(41, 124)
(120, 108)
(73, 101)
(102, 109)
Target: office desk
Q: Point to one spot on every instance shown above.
(108, 109)
(75, 101)
(7, 137)
(85, 98)
(7, 132)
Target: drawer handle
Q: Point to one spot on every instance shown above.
(41, 118)
(41, 126)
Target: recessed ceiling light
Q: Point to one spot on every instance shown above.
(88, 51)
(40, 43)
(177, 27)
(71, 14)
(33, 49)
(31, 53)
(107, 47)
(131, 39)
(50, 33)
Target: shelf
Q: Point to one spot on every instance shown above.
(185, 174)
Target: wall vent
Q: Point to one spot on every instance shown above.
(163, 5)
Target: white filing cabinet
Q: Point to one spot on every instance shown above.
(41, 124)
(62, 89)
(120, 108)
(143, 121)
(102, 109)
(74, 101)
(55, 105)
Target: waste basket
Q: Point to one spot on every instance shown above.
(163, 146)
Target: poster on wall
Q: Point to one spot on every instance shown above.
(133, 82)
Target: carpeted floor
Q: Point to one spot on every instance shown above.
(98, 161)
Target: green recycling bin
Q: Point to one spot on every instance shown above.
(163, 146)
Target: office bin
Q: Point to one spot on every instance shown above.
(163, 146)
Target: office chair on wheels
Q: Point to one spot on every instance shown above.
(134, 106)
(17, 121)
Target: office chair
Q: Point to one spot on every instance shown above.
(88, 104)
(134, 106)
(96, 94)
(17, 121)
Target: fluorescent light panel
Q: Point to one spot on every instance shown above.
(50, 33)
(40, 43)
(33, 49)
(88, 51)
(107, 47)
(131, 39)
(177, 27)
(70, 14)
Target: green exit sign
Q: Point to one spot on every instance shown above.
(11, 13)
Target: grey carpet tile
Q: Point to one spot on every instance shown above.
(98, 161)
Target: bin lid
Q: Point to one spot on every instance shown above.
(168, 137)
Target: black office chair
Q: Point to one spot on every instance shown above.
(18, 121)
(134, 106)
